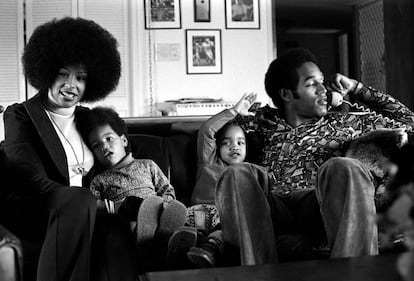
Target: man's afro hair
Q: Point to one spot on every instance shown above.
(70, 41)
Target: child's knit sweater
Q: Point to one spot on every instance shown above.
(132, 177)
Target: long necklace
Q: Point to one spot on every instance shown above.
(80, 167)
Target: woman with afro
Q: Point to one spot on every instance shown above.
(69, 60)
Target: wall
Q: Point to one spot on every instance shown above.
(323, 44)
(370, 50)
(246, 54)
(12, 84)
(399, 49)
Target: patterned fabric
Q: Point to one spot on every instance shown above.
(140, 178)
(294, 155)
(203, 216)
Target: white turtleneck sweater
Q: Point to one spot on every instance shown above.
(72, 143)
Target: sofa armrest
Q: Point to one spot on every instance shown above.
(11, 256)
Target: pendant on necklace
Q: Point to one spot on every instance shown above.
(79, 169)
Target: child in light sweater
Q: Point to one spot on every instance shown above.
(136, 189)
(220, 143)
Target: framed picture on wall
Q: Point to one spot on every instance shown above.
(242, 14)
(162, 14)
(203, 47)
(202, 10)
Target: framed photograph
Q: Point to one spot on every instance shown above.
(203, 48)
(162, 14)
(242, 14)
(202, 10)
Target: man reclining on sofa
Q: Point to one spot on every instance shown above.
(309, 188)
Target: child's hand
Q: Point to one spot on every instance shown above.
(100, 204)
(243, 105)
(105, 205)
(167, 200)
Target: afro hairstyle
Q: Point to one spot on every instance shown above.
(89, 120)
(282, 72)
(73, 41)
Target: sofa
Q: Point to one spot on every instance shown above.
(170, 142)
(11, 250)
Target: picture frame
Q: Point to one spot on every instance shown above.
(242, 14)
(203, 51)
(202, 11)
(162, 14)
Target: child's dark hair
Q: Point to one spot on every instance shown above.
(72, 41)
(221, 133)
(88, 120)
(282, 72)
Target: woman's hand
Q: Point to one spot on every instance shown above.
(342, 84)
(243, 105)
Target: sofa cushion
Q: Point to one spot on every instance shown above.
(11, 257)
(175, 155)
(150, 147)
(182, 150)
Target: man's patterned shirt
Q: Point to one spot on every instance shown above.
(293, 155)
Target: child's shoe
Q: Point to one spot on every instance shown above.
(147, 220)
(172, 217)
(179, 244)
(204, 255)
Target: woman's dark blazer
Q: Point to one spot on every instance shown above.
(36, 157)
(39, 166)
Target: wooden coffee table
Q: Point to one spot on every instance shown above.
(378, 268)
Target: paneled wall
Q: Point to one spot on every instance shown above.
(399, 46)
(370, 44)
(12, 84)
